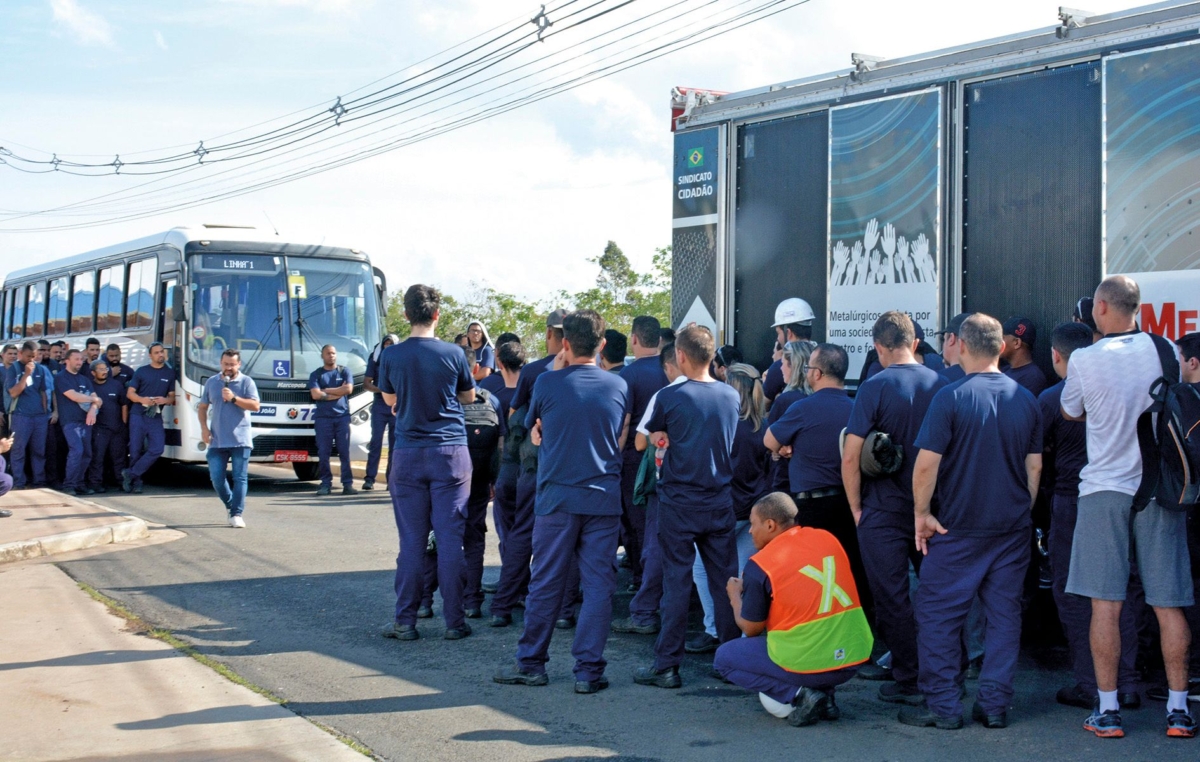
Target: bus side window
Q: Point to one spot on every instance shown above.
(56, 317)
(83, 302)
(36, 319)
(112, 296)
(139, 296)
(16, 325)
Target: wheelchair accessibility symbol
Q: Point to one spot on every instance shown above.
(281, 368)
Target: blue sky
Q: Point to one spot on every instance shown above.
(519, 202)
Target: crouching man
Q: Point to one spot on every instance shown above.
(798, 590)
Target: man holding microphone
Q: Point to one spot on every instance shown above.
(232, 397)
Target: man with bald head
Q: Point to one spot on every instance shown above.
(1108, 386)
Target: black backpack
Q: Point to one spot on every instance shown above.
(1170, 443)
(483, 424)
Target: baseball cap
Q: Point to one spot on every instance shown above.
(1083, 312)
(955, 323)
(1022, 328)
(555, 318)
(918, 331)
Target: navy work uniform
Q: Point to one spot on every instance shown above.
(29, 386)
(983, 427)
(893, 401)
(430, 479)
(644, 377)
(695, 506)
(382, 417)
(582, 410)
(332, 424)
(77, 429)
(146, 437)
(110, 435)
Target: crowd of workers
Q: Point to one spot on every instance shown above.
(819, 529)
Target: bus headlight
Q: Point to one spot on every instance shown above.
(361, 417)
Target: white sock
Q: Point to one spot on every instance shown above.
(1176, 701)
(1108, 701)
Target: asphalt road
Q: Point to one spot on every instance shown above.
(295, 602)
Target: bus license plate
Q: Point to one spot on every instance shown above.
(291, 456)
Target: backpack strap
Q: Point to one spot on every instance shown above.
(1147, 437)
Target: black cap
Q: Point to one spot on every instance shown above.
(955, 324)
(1083, 312)
(1022, 328)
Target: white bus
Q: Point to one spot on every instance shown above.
(201, 290)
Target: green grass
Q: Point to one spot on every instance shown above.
(140, 626)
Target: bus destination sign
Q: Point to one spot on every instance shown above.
(238, 263)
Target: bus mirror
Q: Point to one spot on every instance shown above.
(178, 310)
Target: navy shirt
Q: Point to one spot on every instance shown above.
(372, 373)
(756, 592)
(121, 372)
(426, 375)
(983, 426)
(812, 427)
(773, 380)
(1064, 445)
(750, 461)
(953, 373)
(894, 401)
(582, 409)
(112, 393)
(700, 419)
(932, 361)
(149, 381)
(230, 424)
(69, 411)
(645, 377)
(30, 401)
(778, 470)
(1029, 376)
(485, 356)
(494, 384)
(529, 374)
(331, 379)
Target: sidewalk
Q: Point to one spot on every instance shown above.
(46, 522)
(77, 683)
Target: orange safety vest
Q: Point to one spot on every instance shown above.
(816, 622)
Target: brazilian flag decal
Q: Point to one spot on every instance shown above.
(695, 158)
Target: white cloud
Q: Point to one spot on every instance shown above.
(323, 6)
(159, 40)
(87, 27)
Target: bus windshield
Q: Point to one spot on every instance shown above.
(278, 311)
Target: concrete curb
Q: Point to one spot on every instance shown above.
(131, 528)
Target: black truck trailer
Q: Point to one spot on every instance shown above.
(1007, 176)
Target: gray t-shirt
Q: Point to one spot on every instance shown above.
(229, 424)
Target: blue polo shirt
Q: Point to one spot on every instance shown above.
(750, 459)
(700, 419)
(331, 379)
(894, 401)
(149, 381)
(778, 470)
(1064, 445)
(426, 375)
(756, 592)
(645, 377)
(583, 410)
(983, 426)
(30, 401)
(70, 411)
(229, 424)
(112, 393)
(529, 374)
(121, 372)
(812, 427)
(373, 374)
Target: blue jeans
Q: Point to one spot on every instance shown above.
(745, 549)
(79, 454)
(29, 441)
(218, 458)
(146, 444)
(381, 419)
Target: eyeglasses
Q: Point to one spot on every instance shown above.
(806, 368)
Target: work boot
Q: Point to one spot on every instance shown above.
(666, 678)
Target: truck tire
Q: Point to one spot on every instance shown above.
(306, 472)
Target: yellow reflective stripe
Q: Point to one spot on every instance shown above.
(827, 579)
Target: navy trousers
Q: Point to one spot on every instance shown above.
(558, 538)
(29, 447)
(1075, 611)
(504, 501)
(108, 446)
(885, 539)
(643, 609)
(382, 420)
(146, 444)
(954, 571)
(681, 532)
(518, 548)
(79, 454)
(475, 535)
(633, 517)
(745, 663)
(429, 488)
(332, 431)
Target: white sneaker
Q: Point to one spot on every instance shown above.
(229, 520)
(775, 708)
(236, 522)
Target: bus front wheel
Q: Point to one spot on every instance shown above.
(306, 472)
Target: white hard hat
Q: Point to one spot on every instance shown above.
(793, 310)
